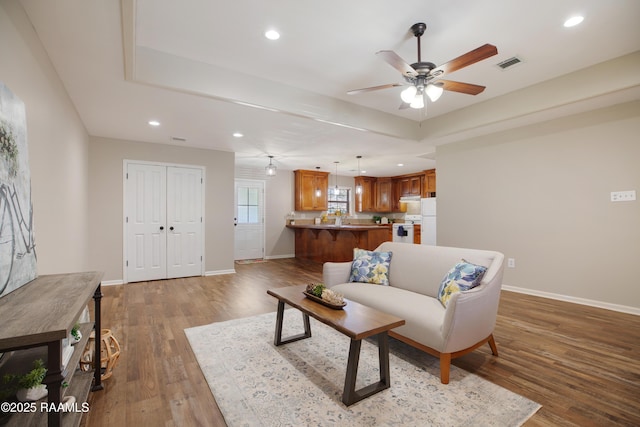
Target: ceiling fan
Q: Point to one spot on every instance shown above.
(424, 77)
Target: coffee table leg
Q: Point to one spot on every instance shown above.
(350, 395)
(280, 317)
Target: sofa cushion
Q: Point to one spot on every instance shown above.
(424, 315)
(370, 267)
(462, 277)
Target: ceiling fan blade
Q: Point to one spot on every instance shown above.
(392, 58)
(468, 88)
(371, 89)
(476, 55)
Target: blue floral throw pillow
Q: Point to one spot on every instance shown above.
(370, 267)
(462, 277)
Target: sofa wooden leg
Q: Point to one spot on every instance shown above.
(492, 344)
(445, 367)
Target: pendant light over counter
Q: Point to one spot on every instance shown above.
(359, 186)
(336, 191)
(270, 169)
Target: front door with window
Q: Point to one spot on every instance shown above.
(249, 219)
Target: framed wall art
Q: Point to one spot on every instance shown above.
(17, 241)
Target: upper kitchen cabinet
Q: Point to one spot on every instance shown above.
(429, 183)
(311, 190)
(365, 199)
(384, 194)
(411, 185)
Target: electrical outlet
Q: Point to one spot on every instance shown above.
(511, 262)
(623, 196)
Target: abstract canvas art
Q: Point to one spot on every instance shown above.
(17, 242)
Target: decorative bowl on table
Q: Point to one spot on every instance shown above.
(319, 293)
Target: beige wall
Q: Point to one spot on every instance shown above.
(106, 157)
(541, 194)
(58, 146)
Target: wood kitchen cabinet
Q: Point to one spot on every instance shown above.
(384, 194)
(411, 185)
(365, 200)
(430, 183)
(311, 190)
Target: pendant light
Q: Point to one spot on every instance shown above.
(318, 191)
(270, 168)
(336, 191)
(359, 186)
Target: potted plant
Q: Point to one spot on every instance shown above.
(27, 387)
(76, 335)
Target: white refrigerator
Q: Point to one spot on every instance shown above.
(428, 224)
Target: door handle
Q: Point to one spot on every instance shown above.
(171, 228)
(161, 228)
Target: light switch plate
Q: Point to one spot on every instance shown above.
(623, 196)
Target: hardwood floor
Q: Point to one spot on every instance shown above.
(580, 363)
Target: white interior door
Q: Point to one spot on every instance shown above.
(184, 222)
(145, 222)
(163, 222)
(249, 219)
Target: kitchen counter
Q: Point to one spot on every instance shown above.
(355, 227)
(335, 243)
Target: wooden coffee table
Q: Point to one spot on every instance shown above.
(355, 320)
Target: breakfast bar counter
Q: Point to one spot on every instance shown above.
(333, 243)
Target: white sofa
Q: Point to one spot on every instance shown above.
(415, 273)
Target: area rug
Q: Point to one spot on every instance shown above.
(301, 383)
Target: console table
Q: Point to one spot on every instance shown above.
(35, 319)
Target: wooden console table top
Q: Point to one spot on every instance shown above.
(43, 309)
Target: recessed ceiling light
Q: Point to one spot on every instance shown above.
(400, 164)
(154, 123)
(272, 35)
(573, 21)
(238, 135)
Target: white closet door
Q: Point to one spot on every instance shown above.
(145, 222)
(184, 222)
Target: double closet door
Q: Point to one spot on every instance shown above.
(163, 222)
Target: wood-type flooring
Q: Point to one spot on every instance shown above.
(582, 364)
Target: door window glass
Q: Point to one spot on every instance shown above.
(248, 205)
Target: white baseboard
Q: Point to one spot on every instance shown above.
(280, 256)
(206, 273)
(111, 282)
(218, 272)
(575, 300)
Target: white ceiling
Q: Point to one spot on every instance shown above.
(201, 68)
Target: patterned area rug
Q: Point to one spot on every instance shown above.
(300, 384)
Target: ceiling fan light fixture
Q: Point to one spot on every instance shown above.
(417, 103)
(409, 94)
(270, 169)
(418, 100)
(434, 92)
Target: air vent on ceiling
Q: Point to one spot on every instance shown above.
(514, 60)
(178, 139)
